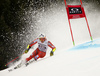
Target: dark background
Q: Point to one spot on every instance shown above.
(12, 25)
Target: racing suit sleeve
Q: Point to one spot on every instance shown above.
(33, 42)
(30, 45)
(51, 46)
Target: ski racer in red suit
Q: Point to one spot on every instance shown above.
(40, 52)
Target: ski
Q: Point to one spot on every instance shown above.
(16, 67)
(21, 64)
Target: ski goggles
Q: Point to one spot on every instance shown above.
(42, 39)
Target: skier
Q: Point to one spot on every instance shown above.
(40, 52)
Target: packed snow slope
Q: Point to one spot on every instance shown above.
(81, 60)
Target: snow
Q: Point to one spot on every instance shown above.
(72, 62)
(81, 60)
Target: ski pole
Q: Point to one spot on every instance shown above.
(14, 59)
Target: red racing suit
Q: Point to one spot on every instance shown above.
(40, 52)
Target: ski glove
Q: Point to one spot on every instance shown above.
(28, 47)
(51, 53)
(26, 51)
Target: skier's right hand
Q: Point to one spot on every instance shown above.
(28, 47)
(26, 51)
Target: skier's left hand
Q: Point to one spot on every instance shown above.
(51, 53)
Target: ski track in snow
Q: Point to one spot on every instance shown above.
(72, 62)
